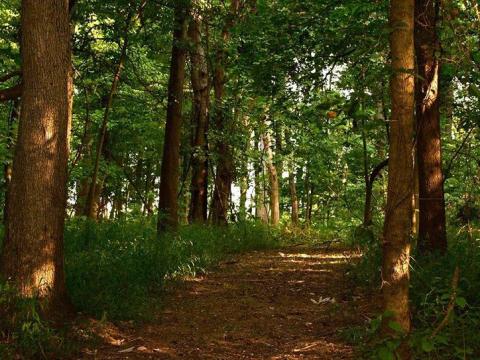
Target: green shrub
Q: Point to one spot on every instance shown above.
(431, 293)
(23, 331)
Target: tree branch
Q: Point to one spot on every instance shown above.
(11, 93)
(8, 76)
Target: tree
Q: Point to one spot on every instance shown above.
(32, 256)
(225, 166)
(398, 216)
(273, 181)
(168, 203)
(432, 229)
(201, 91)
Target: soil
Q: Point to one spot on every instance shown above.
(285, 304)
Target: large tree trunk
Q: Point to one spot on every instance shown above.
(398, 217)
(432, 229)
(273, 181)
(32, 257)
(168, 203)
(224, 175)
(169, 180)
(201, 91)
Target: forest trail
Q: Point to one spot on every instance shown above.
(283, 304)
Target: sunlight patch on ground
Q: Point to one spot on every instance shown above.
(322, 256)
(325, 262)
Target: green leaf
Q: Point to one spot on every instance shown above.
(395, 326)
(384, 353)
(427, 345)
(461, 302)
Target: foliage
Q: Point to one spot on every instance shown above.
(431, 293)
(118, 269)
(24, 332)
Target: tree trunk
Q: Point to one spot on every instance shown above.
(224, 176)
(91, 203)
(32, 257)
(201, 91)
(273, 181)
(398, 217)
(308, 216)
(169, 180)
(293, 197)
(260, 208)
(244, 174)
(432, 228)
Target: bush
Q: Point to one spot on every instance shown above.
(431, 294)
(22, 330)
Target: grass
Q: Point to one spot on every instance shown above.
(118, 269)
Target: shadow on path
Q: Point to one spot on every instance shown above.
(283, 304)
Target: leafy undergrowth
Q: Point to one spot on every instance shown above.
(431, 290)
(118, 269)
(25, 335)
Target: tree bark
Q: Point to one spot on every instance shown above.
(273, 181)
(224, 176)
(260, 208)
(201, 91)
(398, 216)
(244, 182)
(169, 180)
(432, 234)
(32, 256)
(293, 197)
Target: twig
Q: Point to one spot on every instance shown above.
(455, 155)
(451, 304)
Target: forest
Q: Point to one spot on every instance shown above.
(240, 179)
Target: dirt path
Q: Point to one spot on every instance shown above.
(284, 304)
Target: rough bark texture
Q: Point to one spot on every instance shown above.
(168, 203)
(398, 217)
(32, 257)
(225, 168)
(432, 229)
(273, 182)
(201, 91)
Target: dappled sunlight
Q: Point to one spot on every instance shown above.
(261, 305)
(328, 255)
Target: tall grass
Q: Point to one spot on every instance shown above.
(118, 269)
